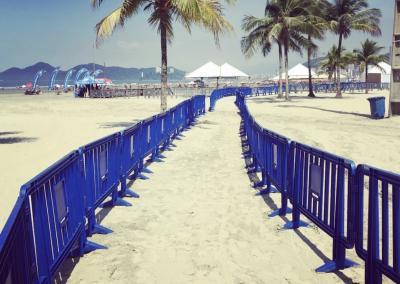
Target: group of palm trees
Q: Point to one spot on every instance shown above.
(296, 24)
(293, 25)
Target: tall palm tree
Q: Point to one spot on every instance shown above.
(348, 15)
(369, 54)
(258, 38)
(329, 63)
(290, 23)
(205, 13)
(317, 13)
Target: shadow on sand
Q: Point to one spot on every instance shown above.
(328, 110)
(254, 179)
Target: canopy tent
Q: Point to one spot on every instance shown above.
(298, 72)
(208, 70)
(228, 71)
(212, 70)
(384, 72)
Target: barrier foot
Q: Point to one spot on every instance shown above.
(157, 160)
(130, 193)
(332, 266)
(117, 202)
(280, 212)
(143, 177)
(91, 246)
(258, 184)
(99, 229)
(292, 225)
(146, 171)
(263, 192)
(161, 156)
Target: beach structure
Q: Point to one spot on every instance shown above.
(211, 70)
(378, 75)
(67, 77)
(80, 72)
(395, 78)
(33, 90)
(53, 78)
(298, 72)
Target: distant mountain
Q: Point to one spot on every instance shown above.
(16, 76)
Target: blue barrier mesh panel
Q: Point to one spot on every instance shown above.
(316, 179)
(148, 134)
(275, 154)
(103, 163)
(60, 201)
(132, 146)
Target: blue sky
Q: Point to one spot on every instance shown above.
(62, 33)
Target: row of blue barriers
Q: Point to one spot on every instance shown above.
(221, 93)
(320, 87)
(334, 194)
(55, 211)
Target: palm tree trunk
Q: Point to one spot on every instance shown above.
(310, 86)
(280, 95)
(286, 48)
(339, 54)
(366, 78)
(164, 71)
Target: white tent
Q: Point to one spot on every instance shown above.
(385, 73)
(297, 72)
(208, 70)
(228, 71)
(212, 70)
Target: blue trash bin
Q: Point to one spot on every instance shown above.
(377, 105)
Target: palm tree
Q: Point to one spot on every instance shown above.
(329, 64)
(289, 24)
(205, 13)
(258, 38)
(369, 54)
(348, 15)
(317, 14)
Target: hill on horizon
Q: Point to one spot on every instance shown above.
(16, 76)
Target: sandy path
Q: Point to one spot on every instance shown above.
(199, 221)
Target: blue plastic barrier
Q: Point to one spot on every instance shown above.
(329, 191)
(55, 211)
(321, 188)
(378, 243)
(221, 93)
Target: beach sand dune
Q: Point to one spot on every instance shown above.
(199, 220)
(36, 131)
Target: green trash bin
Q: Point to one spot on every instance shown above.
(377, 105)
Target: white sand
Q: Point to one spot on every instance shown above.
(199, 221)
(50, 126)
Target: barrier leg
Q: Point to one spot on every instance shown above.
(372, 274)
(125, 191)
(86, 246)
(95, 228)
(115, 201)
(269, 186)
(263, 180)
